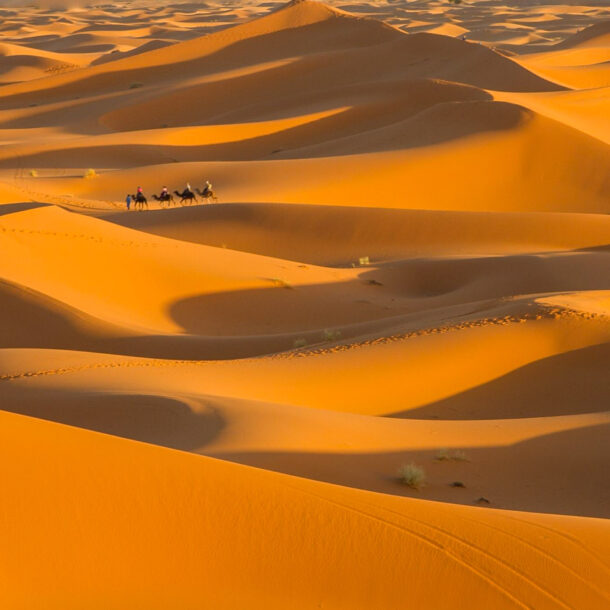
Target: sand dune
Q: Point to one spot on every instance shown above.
(389, 529)
(407, 262)
(325, 235)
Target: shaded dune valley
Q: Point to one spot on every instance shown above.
(356, 356)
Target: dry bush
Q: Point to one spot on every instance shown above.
(412, 475)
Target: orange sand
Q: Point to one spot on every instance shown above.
(206, 406)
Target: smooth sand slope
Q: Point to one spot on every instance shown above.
(314, 543)
(408, 262)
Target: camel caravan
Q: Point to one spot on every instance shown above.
(166, 199)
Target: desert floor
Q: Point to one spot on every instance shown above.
(408, 262)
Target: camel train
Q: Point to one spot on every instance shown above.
(167, 199)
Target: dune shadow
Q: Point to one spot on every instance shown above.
(560, 473)
(11, 208)
(158, 420)
(574, 382)
(283, 308)
(452, 120)
(603, 248)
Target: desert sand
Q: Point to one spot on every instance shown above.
(207, 405)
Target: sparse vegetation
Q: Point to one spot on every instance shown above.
(444, 455)
(280, 283)
(331, 335)
(34, 173)
(457, 484)
(412, 475)
(459, 456)
(363, 261)
(136, 85)
(90, 173)
(300, 343)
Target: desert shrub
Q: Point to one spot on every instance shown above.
(412, 475)
(363, 261)
(34, 173)
(136, 85)
(300, 343)
(90, 173)
(331, 335)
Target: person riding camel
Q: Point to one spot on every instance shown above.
(207, 189)
(164, 193)
(140, 192)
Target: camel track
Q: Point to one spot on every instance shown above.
(540, 314)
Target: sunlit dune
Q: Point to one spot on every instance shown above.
(304, 305)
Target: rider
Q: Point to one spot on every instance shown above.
(207, 189)
(164, 193)
(140, 192)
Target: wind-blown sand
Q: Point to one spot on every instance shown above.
(206, 406)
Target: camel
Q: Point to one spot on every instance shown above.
(139, 200)
(207, 195)
(187, 195)
(165, 199)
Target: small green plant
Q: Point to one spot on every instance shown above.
(331, 335)
(363, 261)
(136, 85)
(34, 173)
(90, 173)
(412, 476)
(300, 343)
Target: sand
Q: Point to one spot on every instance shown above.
(206, 406)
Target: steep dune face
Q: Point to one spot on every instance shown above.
(205, 404)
